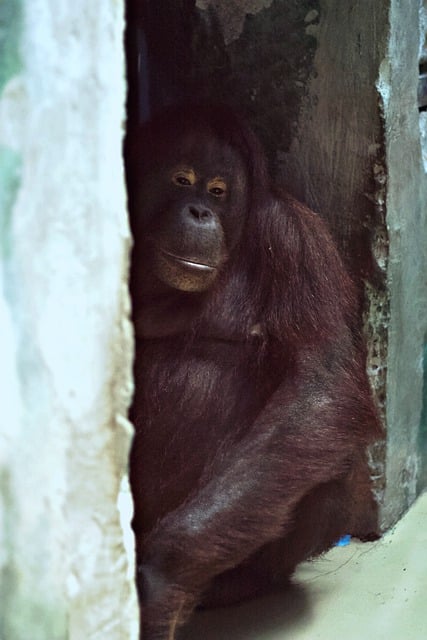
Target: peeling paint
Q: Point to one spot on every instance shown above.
(376, 455)
(376, 319)
(376, 324)
(383, 83)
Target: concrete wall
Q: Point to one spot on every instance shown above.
(356, 157)
(407, 264)
(331, 87)
(66, 343)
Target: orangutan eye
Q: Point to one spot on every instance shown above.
(217, 191)
(184, 182)
(184, 177)
(217, 187)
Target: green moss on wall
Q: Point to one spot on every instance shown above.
(10, 65)
(10, 29)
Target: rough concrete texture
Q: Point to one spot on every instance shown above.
(422, 440)
(65, 338)
(423, 68)
(263, 71)
(336, 163)
(407, 265)
(358, 127)
(232, 14)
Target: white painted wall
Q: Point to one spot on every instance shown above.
(65, 338)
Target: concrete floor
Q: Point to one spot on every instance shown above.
(372, 591)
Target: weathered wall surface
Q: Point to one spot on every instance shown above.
(361, 118)
(407, 265)
(331, 88)
(66, 342)
(336, 163)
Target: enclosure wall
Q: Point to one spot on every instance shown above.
(66, 557)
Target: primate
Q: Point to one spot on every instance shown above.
(252, 409)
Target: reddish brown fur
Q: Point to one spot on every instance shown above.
(252, 408)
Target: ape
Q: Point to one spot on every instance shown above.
(252, 410)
